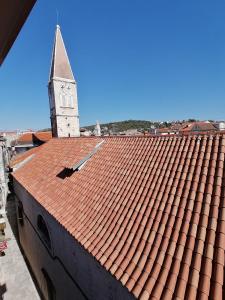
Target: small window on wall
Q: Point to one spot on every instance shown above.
(51, 293)
(20, 213)
(44, 231)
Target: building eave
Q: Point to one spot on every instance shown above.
(13, 14)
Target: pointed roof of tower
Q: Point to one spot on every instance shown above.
(60, 66)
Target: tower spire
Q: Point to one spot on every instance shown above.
(97, 129)
(62, 90)
(60, 65)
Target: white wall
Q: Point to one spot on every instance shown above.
(3, 176)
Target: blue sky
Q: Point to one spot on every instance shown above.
(132, 59)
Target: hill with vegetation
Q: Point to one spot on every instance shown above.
(141, 125)
(129, 124)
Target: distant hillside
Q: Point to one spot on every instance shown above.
(129, 124)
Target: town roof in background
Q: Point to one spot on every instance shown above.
(198, 126)
(38, 137)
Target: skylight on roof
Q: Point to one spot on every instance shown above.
(67, 172)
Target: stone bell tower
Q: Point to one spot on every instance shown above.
(62, 89)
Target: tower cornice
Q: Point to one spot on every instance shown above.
(61, 79)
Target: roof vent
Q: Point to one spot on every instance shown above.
(67, 172)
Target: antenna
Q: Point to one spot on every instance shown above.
(57, 16)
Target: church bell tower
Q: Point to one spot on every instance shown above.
(62, 89)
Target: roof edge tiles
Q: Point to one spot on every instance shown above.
(150, 210)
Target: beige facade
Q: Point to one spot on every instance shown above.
(4, 156)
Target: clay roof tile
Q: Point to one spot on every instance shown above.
(151, 210)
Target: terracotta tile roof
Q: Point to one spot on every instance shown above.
(176, 127)
(21, 157)
(163, 130)
(198, 126)
(150, 210)
(26, 137)
(34, 137)
(43, 136)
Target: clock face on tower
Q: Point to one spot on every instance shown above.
(66, 97)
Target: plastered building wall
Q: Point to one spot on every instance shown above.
(3, 176)
(74, 272)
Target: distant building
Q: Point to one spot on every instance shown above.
(175, 127)
(219, 125)
(105, 130)
(114, 129)
(164, 131)
(85, 132)
(30, 140)
(198, 127)
(131, 132)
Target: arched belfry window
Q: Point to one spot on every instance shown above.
(66, 100)
(44, 231)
